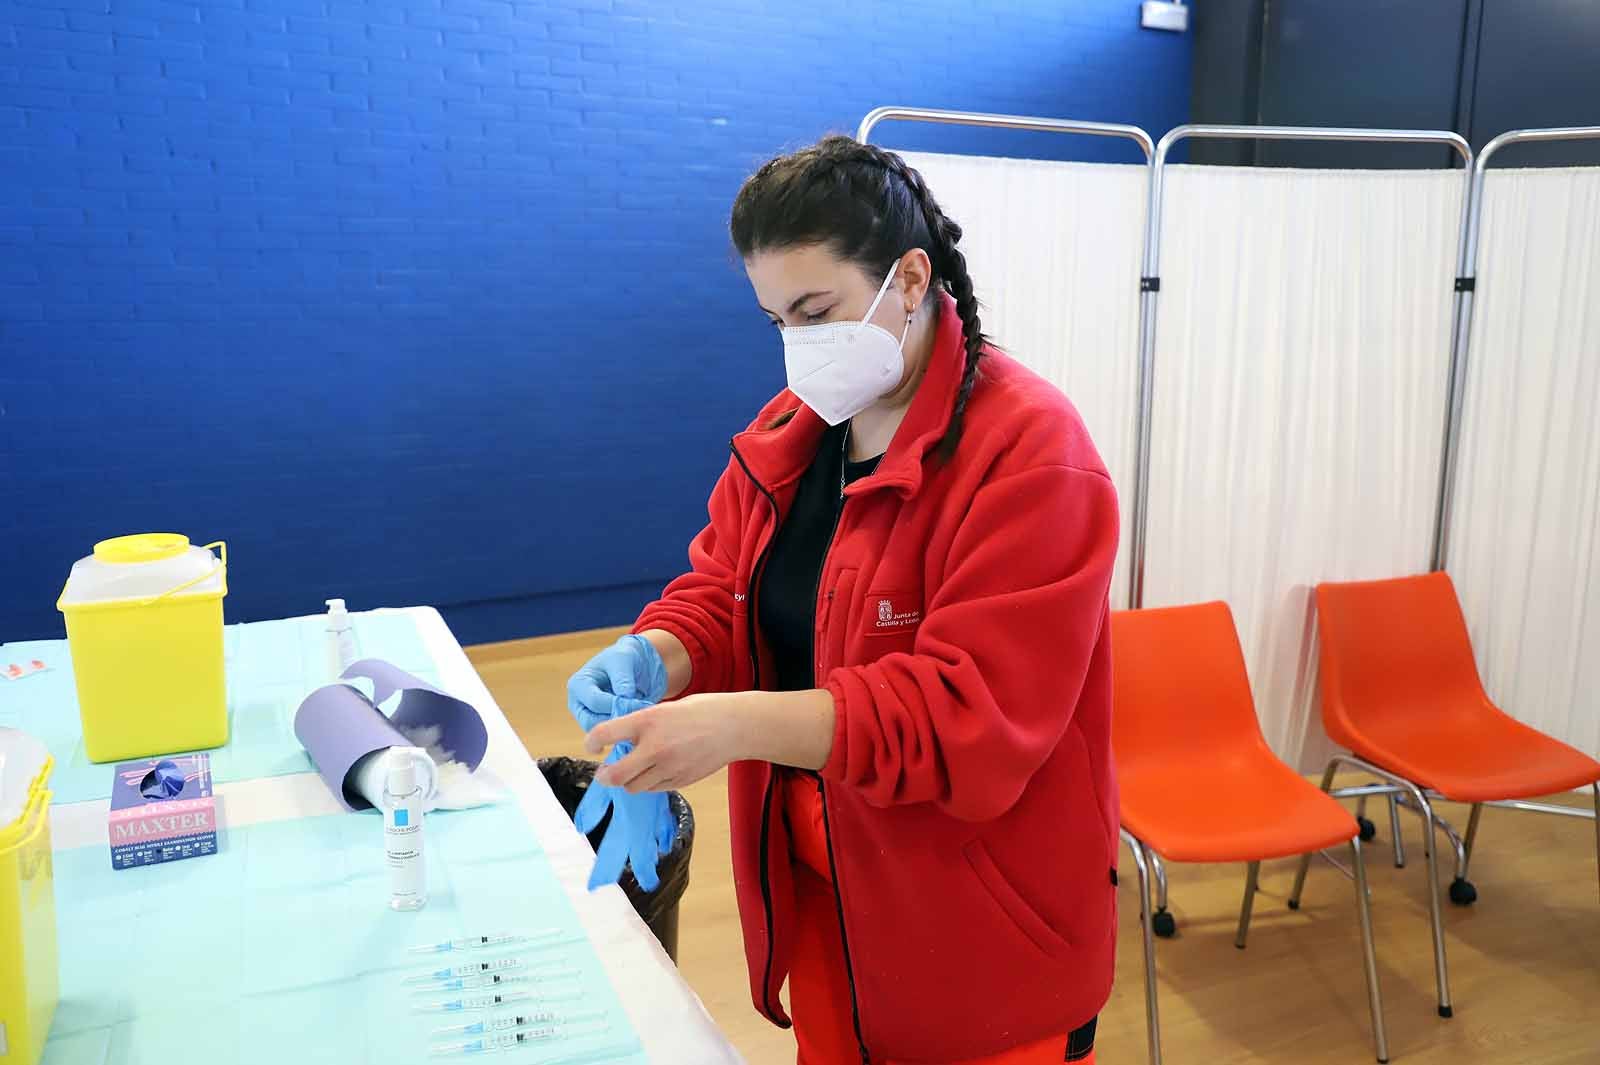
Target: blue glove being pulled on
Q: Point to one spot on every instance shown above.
(642, 828)
(627, 676)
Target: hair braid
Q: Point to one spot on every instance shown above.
(950, 266)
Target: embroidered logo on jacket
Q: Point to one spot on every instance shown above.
(890, 619)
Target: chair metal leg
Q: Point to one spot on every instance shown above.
(1530, 807)
(1457, 846)
(1305, 859)
(1394, 830)
(1419, 802)
(1596, 787)
(1152, 1017)
(1369, 954)
(1299, 881)
(1244, 909)
(1472, 835)
(1429, 851)
(1162, 921)
(1461, 890)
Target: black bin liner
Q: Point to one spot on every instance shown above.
(569, 778)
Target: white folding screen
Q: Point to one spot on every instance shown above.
(1302, 351)
(1301, 365)
(1525, 537)
(1054, 250)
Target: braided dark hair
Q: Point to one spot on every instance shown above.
(869, 208)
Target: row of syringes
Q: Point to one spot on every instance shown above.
(509, 981)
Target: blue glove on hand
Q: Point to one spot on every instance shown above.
(642, 827)
(627, 676)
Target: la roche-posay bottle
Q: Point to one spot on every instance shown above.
(402, 829)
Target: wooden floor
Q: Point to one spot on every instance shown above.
(1524, 961)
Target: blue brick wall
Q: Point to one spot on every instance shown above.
(430, 301)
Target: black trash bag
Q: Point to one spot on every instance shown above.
(569, 778)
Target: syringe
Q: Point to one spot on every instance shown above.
(488, 980)
(510, 1021)
(501, 939)
(477, 968)
(513, 1040)
(475, 1002)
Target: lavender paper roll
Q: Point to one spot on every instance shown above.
(338, 726)
(462, 736)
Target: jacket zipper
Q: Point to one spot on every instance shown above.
(822, 796)
(772, 775)
(755, 571)
(766, 802)
(844, 937)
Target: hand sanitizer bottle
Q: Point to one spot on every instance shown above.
(402, 829)
(341, 640)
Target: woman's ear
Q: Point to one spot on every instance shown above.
(914, 277)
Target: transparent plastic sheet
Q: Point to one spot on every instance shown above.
(281, 947)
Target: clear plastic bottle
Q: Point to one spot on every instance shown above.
(403, 802)
(341, 641)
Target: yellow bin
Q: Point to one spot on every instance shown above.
(28, 980)
(144, 622)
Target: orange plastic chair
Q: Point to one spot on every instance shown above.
(1400, 689)
(1198, 781)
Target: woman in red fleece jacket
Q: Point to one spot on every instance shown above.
(894, 633)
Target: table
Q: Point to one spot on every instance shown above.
(670, 1020)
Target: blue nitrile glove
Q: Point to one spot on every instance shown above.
(626, 676)
(642, 828)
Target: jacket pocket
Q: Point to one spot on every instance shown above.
(1012, 904)
(833, 628)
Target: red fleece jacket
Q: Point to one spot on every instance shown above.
(962, 630)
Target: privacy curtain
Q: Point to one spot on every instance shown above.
(1301, 363)
(1525, 548)
(1054, 251)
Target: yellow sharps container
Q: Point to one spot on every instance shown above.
(28, 981)
(144, 624)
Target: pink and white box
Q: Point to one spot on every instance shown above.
(162, 810)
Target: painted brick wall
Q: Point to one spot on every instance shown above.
(430, 301)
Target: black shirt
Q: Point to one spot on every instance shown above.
(787, 596)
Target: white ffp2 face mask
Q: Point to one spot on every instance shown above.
(839, 369)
